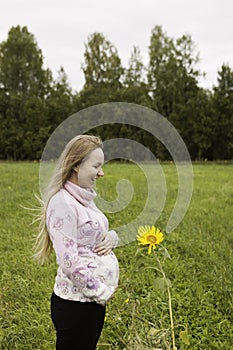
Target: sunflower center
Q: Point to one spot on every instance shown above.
(152, 239)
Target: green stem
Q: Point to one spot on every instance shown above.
(169, 302)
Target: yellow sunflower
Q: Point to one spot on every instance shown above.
(150, 236)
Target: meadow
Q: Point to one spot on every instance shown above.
(199, 264)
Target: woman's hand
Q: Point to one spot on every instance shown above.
(104, 246)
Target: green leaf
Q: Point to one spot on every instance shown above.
(139, 263)
(165, 253)
(185, 337)
(162, 283)
(153, 331)
(139, 250)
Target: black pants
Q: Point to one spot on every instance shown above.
(78, 325)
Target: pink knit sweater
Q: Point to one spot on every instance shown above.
(75, 224)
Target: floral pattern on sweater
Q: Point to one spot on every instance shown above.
(75, 224)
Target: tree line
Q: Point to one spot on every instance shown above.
(33, 103)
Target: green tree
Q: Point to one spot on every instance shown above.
(173, 81)
(171, 73)
(102, 70)
(21, 62)
(135, 88)
(222, 102)
(203, 126)
(102, 64)
(59, 100)
(23, 83)
(135, 73)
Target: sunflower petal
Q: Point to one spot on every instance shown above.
(150, 236)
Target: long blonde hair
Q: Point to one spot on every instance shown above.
(73, 154)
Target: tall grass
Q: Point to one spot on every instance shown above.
(200, 268)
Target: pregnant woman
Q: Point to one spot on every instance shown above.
(78, 231)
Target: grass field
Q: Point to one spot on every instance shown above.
(200, 268)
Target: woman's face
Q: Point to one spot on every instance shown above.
(90, 169)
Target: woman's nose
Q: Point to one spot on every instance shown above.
(100, 172)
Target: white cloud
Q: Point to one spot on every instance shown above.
(61, 28)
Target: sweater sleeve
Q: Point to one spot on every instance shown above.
(73, 246)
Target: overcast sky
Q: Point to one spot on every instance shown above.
(61, 27)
